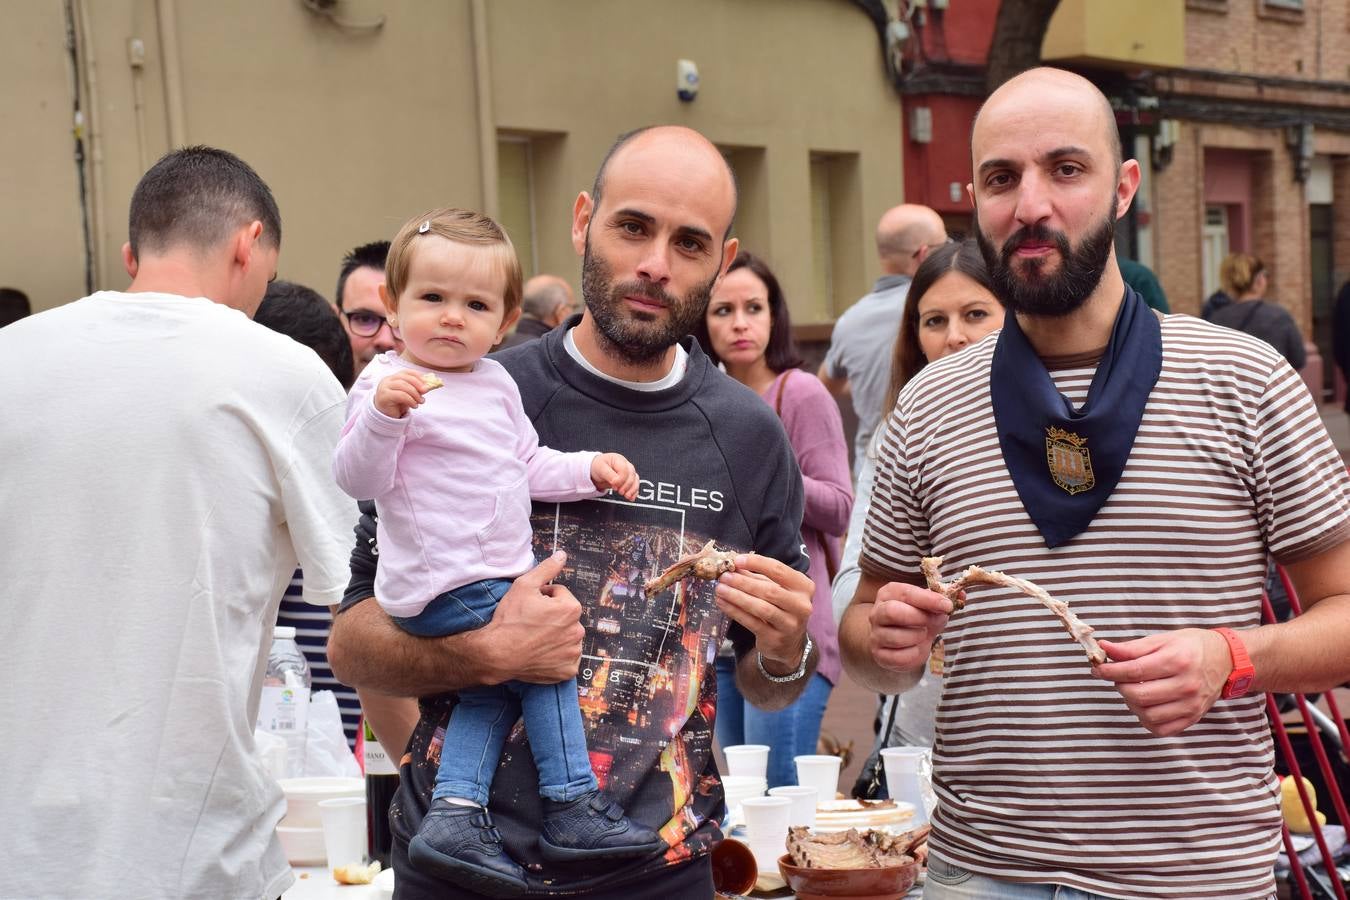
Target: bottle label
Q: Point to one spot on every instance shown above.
(377, 762)
(284, 711)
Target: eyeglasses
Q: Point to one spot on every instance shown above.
(367, 324)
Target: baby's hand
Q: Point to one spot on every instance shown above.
(612, 470)
(400, 392)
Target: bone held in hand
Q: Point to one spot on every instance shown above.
(1079, 630)
(708, 563)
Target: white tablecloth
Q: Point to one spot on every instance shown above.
(316, 883)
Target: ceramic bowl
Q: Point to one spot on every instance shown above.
(889, 883)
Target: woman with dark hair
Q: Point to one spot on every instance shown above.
(747, 330)
(951, 305)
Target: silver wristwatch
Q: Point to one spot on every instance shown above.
(783, 679)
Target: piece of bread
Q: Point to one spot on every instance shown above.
(430, 382)
(356, 873)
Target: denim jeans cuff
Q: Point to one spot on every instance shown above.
(570, 791)
(463, 790)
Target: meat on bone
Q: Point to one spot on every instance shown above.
(708, 563)
(1079, 630)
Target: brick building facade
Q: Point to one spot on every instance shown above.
(1238, 111)
(1254, 156)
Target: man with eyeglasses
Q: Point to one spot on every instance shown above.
(359, 303)
(858, 363)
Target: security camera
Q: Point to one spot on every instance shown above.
(686, 79)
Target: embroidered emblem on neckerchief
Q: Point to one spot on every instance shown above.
(1069, 459)
(1066, 461)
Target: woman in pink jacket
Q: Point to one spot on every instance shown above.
(747, 330)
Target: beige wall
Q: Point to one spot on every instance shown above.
(357, 131)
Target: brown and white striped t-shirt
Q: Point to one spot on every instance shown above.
(1042, 772)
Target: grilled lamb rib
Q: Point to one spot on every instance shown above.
(1079, 630)
(708, 563)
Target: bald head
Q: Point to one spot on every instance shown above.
(1049, 88)
(547, 298)
(653, 141)
(905, 234)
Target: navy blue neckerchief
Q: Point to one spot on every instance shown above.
(1065, 462)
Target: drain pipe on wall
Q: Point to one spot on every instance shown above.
(487, 127)
(173, 73)
(88, 63)
(78, 133)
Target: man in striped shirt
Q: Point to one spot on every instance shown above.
(1149, 776)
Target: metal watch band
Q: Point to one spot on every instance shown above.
(783, 679)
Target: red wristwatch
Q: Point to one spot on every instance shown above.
(1244, 673)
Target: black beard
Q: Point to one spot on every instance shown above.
(1033, 292)
(635, 336)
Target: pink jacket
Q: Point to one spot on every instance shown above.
(452, 481)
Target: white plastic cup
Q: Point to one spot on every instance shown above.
(344, 830)
(803, 797)
(819, 772)
(766, 828)
(902, 777)
(747, 759)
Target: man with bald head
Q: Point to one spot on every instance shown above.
(858, 363)
(715, 466)
(547, 302)
(1139, 467)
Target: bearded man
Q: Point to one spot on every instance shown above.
(714, 464)
(1140, 467)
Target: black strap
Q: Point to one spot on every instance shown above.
(1247, 319)
(890, 721)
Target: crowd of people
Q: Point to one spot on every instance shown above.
(385, 470)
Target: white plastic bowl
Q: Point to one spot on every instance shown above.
(303, 796)
(303, 846)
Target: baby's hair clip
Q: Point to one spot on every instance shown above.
(424, 227)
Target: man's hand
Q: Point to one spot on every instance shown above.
(905, 620)
(773, 601)
(613, 470)
(396, 394)
(536, 628)
(1169, 680)
(535, 635)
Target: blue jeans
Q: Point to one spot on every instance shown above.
(485, 715)
(789, 732)
(947, 881)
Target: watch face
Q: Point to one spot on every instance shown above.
(1240, 685)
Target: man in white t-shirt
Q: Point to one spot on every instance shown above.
(166, 467)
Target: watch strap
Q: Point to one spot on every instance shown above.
(1240, 678)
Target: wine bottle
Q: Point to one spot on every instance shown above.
(381, 782)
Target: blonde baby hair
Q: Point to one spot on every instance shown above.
(463, 226)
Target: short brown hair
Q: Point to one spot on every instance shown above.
(463, 226)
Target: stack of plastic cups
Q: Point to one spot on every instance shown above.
(766, 829)
(747, 765)
(739, 788)
(902, 778)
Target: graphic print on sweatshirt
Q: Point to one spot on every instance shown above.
(646, 661)
(646, 684)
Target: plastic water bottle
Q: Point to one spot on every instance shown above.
(284, 710)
